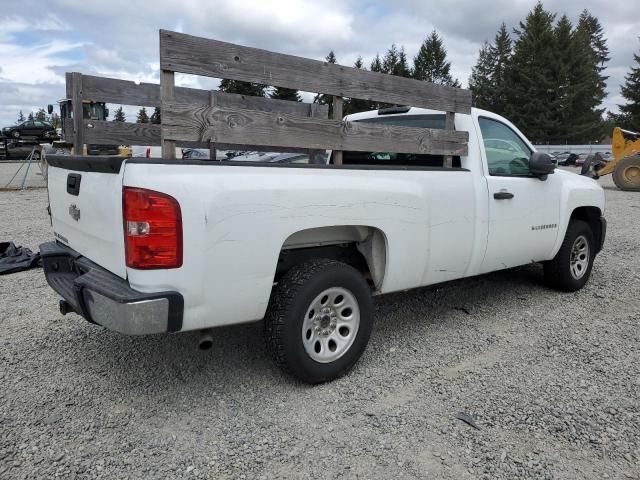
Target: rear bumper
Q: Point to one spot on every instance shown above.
(106, 299)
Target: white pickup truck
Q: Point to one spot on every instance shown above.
(147, 246)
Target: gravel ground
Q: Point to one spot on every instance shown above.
(552, 380)
(14, 172)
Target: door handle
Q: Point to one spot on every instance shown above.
(502, 195)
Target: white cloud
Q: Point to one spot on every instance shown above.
(119, 38)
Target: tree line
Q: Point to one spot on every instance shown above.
(40, 115)
(547, 76)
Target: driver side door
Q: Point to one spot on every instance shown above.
(524, 211)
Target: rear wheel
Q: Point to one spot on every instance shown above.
(15, 134)
(570, 269)
(319, 320)
(626, 175)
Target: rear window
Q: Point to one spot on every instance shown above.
(436, 121)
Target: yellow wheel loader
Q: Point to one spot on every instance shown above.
(625, 166)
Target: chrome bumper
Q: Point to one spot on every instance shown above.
(106, 299)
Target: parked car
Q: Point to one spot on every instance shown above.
(37, 129)
(148, 246)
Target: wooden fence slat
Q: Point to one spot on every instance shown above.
(78, 114)
(201, 123)
(167, 94)
(125, 133)
(212, 146)
(112, 90)
(337, 115)
(200, 56)
(121, 133)
(449, 125)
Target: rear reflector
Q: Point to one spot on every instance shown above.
(152, 229)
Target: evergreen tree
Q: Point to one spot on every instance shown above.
(41, 115)
(501, 53)
(390, 59)
(481, 80)
(54, 120)
(156, 116)
(589, 54)
(30, 117)
(142, 116)
(282, 93)
(629, 116)
(321, 98)
(242, 88)
(598, 42)
(20, 117)
(355, 105)
(565, 54)
(119, 115)
(376, 64)
(430, 64)
(531, 99)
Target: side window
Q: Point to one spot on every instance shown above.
(436, 121)
(507, 154)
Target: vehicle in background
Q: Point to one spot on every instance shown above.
(32, 129)
(623, 163)
(90, 111)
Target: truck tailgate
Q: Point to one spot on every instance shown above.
(86, 214)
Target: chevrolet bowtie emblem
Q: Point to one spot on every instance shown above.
(74, 212)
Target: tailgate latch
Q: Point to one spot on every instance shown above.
(73, 183)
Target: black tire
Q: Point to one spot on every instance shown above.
(15, 134)
(287, 310)
(626, 175)
(558, 272)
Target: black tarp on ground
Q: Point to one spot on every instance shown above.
(14, 259)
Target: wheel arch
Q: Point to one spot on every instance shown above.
(364, 247)
(592, 216)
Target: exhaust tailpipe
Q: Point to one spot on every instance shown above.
(206, 340)
(65, 307)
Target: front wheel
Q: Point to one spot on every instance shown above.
(319, 320)
(15, 134)
(626, 175)
(570, 269)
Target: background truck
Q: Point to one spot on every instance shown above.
(409, 197)
(91, 110)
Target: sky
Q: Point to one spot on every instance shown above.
(119, 38)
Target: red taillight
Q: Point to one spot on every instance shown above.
(152, 229)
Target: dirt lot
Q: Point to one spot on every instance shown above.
(553, 380)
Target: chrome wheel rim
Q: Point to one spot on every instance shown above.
(330, 324)
(579, 260)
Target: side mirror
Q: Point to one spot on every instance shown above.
(541, 165)
(50, 109)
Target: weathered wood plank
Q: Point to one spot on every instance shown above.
(449, 125)
(200, 56)
(122, 133)
(201, 123)
(76, 104)
(112, 90)
(337, 115)
(167, 94)
(67, 130)
(125, 133)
